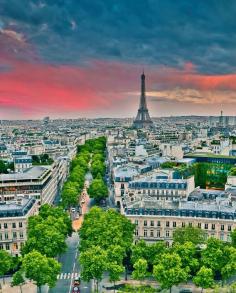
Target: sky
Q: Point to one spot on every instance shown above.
(83, 58)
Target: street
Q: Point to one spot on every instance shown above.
(70, 269)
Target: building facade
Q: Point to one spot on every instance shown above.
(13, 223)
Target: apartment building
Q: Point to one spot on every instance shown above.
(40, 182)
(13, 223)
(162, 187)
(156, 220)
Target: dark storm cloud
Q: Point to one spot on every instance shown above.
(144, 31)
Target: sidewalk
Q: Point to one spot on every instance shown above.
(29, 287)
(106, 284)
(78, 223)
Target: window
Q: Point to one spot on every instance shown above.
(199, 225)
(22, 234)
(158, 233)
(7, 247)
(183, 224)
(213, 226)
(0, 236)
(136, 233)
(151, 233)
(174, 224)
(158, 223)
(229, 239)
(206, 226)
(167, 233)
(20, 224)
(167, 224)
(222, 236)
(222, 227)
(190, 224)
(145, 223)
(14, 235)
(1, 246)
(136, 222)
(6, 235)
(152, 223)
(15, 246)
(5, 225)
(13, 225)
(229, 228)
(145, 233)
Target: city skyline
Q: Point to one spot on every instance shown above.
(73, 60)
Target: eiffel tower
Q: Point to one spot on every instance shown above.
(142, 119)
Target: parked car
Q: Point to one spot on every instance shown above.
(185, 290)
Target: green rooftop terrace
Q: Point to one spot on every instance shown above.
(210, 155)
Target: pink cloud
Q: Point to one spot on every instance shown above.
(36, 88)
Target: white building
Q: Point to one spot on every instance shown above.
(13, 223)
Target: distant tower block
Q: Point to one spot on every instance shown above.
(142, 119)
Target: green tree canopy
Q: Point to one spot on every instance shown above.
(148, 252)
(188, 254)
(140, 269)
(213, 255)
(98, 189)
(6, 262)
(106, 228)
(169, 272)
(70, 194)
(189, 234)
(93, 263)
(204, 278)
(18, 280)
(41, 269)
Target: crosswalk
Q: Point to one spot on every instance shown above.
(64, 276)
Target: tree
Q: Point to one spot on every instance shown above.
(93, 262)
(204, 278)
(47, 231)
(18, 280)
(189, 234)
(169, 272)
(140, 269)
(58, 217)
(149, 252)
(41, 269)
(105, 228)
(233, 237)
(4, 166)
(229, 269)
(5, 262)
(110, 231)
(213, 256)
(47, 239)
(98, 189)
(188, 254)
(70, 194)
(115, 271)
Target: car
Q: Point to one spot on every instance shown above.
(76, 282)
(72, 210)
(185, 290)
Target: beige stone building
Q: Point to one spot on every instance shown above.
(156, 220)
(13, 223)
